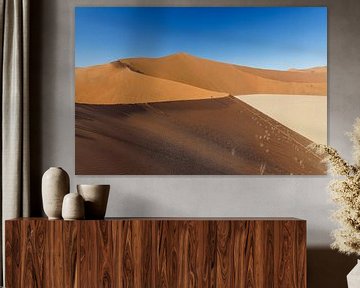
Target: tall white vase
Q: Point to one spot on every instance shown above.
(353, 278)
(55, 185)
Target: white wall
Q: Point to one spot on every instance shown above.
(305, 197)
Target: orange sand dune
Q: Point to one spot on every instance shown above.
(229, 78)
(314, 70)
(218, 136)
(312, 75)
(115, 83)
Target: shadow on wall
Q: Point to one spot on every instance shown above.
(328, 268)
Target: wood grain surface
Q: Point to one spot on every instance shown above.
(150, 252)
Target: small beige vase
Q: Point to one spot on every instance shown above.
(55, 185)
(73, 207)
(96, 198)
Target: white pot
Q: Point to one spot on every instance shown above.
(353, 278)
(55, 185)
(96, 198)
(73, 207)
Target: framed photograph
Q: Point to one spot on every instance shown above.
(200, 90)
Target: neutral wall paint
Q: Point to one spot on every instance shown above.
(52, 124)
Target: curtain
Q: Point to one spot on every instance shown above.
(14, 38)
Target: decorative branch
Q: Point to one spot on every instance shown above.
(345, 192)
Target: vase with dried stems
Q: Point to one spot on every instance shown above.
(345, 192)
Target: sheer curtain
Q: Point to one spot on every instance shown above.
(14, 27)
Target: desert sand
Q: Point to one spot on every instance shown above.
(307, 115)
(311, 75)
(116, 83)
(229, 78)
(320, 69)
(177, 115)
(185, 77)
(211, 136)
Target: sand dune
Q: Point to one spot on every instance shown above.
(228, 78)
(185, 77)
(307, 115)
(218, 136)
(115, 83)
(312, 75)
(314, 70)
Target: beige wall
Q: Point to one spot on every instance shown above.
(52, 122)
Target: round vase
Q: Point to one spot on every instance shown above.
(55, 185)
(96, 198)
(73, 207)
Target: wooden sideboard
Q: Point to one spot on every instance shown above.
(156, 252)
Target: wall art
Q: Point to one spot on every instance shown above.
(200, 90)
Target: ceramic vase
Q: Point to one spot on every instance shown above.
(73, 207)
(55, 185)
(353, 278)
(96, 198)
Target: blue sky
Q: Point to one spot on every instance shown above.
(273, 38)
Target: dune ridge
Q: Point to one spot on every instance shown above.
(230, 78)
(182, 76)
(311, 75)
(317, 70)
(117, 83)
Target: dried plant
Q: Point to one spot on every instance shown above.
(345, 192)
